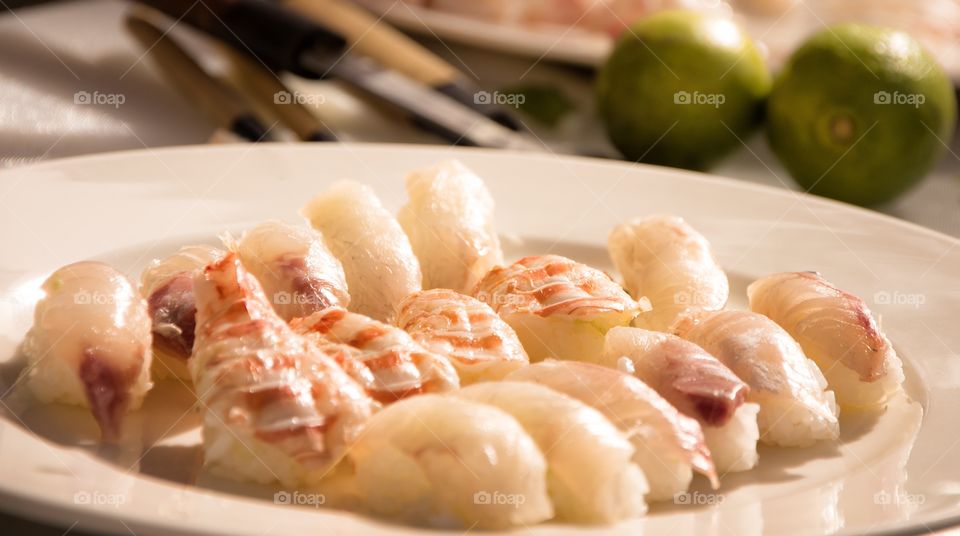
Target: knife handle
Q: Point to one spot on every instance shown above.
(275, 35)
(371, 36)
(263, 86)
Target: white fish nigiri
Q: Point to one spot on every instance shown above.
(449, 219)
(669, 446)
(90, 343)
(167, 284)
(276, 407)
(379, 263)
(441, 461)
(467, 331)
(698, 385)
(558, 307)
(796, 407)
(296, 270)
(591, 477)
(836, 330)
(382, 358)
(665, 260)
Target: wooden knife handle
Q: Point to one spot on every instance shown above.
(371, 37)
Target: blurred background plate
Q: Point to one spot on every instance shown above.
(567, 45)
(779, 25)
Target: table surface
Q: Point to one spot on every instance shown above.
(50, 52)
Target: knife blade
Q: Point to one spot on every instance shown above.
(439, 114)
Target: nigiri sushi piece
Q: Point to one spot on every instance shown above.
(167, 284)
(667, 261)
(796, 407)
(479, 344)
(449, 220)
(668, 445)
(382, 358)
(377, 258)
(90, 344)
(558, 307)
(276, 407)
(294, 267)
(590, 476)
(836, 330)
(442, 461)
(698, 385)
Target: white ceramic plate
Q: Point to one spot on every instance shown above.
(895, 473)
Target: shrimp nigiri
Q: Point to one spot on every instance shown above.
(439, 460)
(558, 307)
(669, 445)
(475, 339)
(167, 284)
(591, 477)
(796, 408)
(294, 267)
(836, 330)
(698, 385)
(665, 260)
(90, 343)
(276, 407)
(449, 220)
(377, 258)
(382, 358)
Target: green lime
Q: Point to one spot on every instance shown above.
(860, 113)
(682, 89)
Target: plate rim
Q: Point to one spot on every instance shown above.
(700, 176)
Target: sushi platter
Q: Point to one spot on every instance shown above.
(388, 340)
